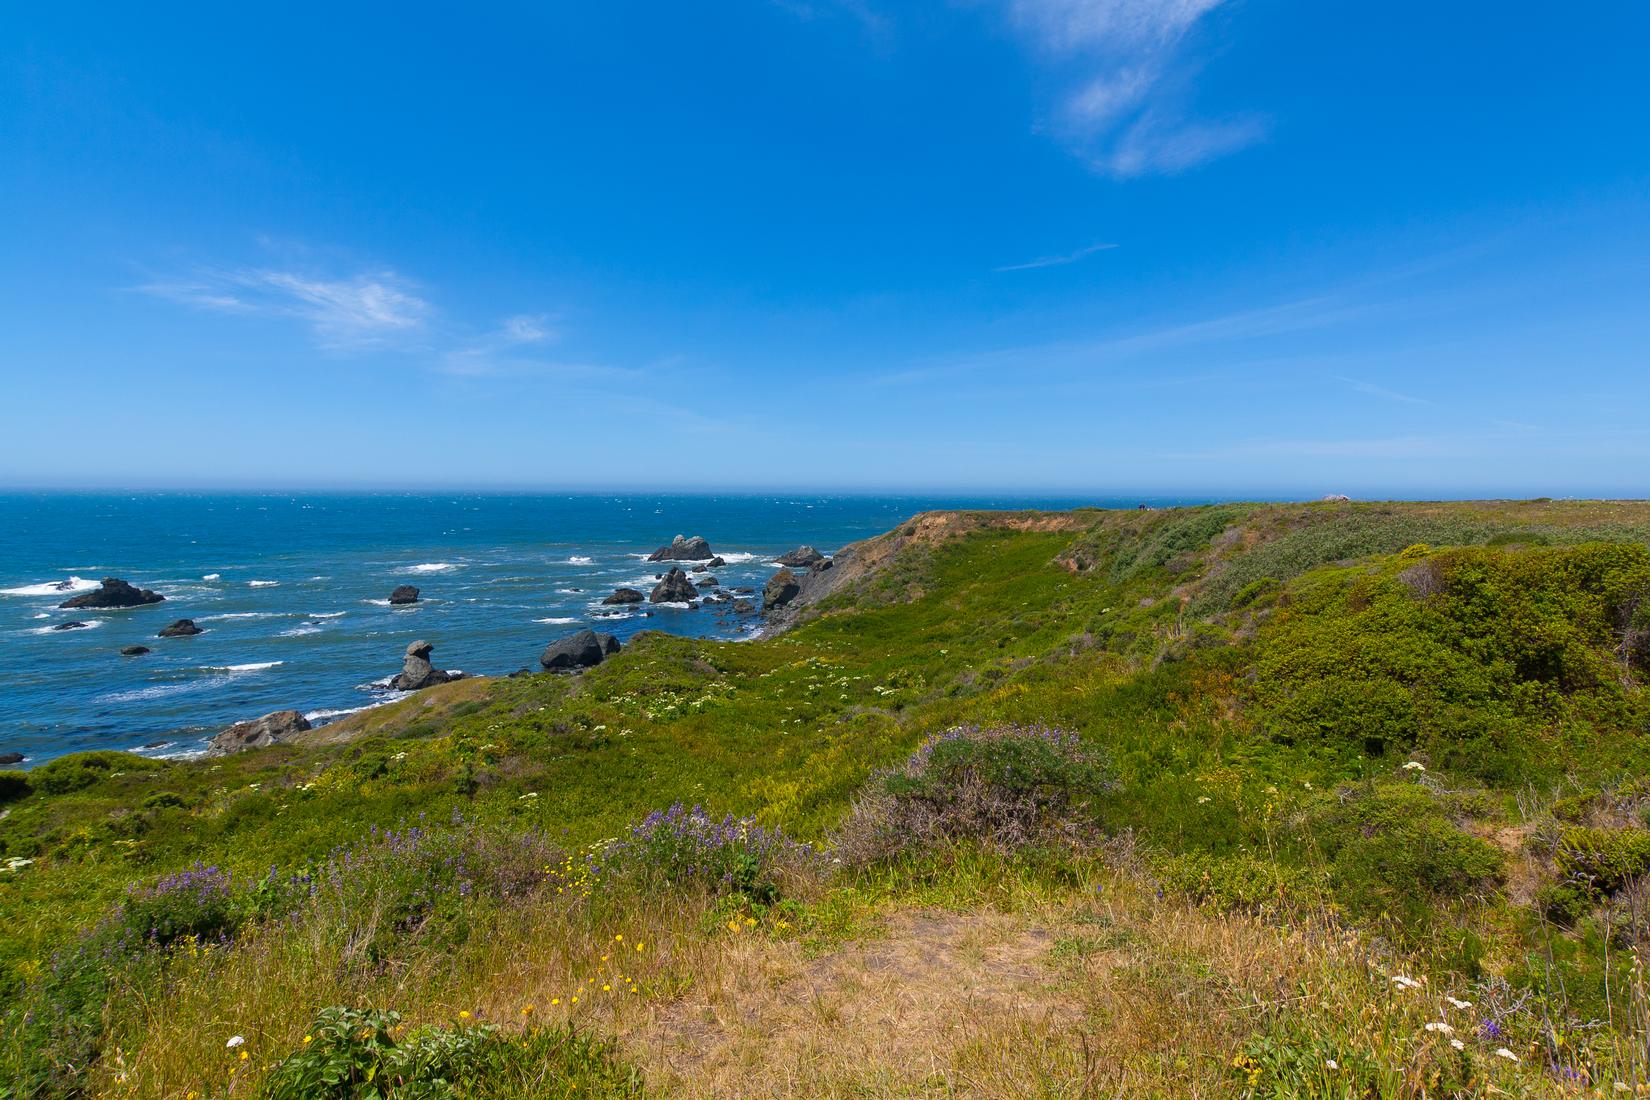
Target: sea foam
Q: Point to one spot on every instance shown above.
(52, 588)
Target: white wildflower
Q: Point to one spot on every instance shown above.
(1503, 1052)
(1440, 1027)
(1415, 766)
(1457, 1003)
(1202, 800)
(1331, 1063)
(235, 1041)
(1458, 1044)
(1404, 981)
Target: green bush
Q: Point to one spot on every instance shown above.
(1602, 861)
(13, 785)
(80, 770)
(354, 1054)
(1393, 851)
(1238, 882)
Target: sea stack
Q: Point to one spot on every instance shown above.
(114, 592)
(675, 588)
(417, 672)
(624, 596)
(803, 557)
(183, 628)
(683, 549)
(582, 650)
(406, 593)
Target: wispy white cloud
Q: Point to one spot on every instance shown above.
(1127, 67)
(1057, 261)
(1382, 392)
(349, 313)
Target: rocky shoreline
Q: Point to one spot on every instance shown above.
(801, 577)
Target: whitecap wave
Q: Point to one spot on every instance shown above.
(263, 584)
(343, 712)
(433, 567)
(557, 621)
(735, 557)
(227, 615)
(327, 614)
(675, 605)
(255, 666)
(301, 631)
(213, 577)
(42, 615)
(52, 588)
(579, 559)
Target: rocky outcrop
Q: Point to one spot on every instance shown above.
(585, 649)
(780, 590)
(675, 588)
(707, 582)
(271, 729)
(183, 628)
(683, 549)
(72, 624)
(624, 596)
(803, 557)
(7, 758)
(404, 594)
(416, 671)
(743, 607)
(114, 592)
(133, 650)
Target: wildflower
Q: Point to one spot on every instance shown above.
(1458, 1044)
(308, 1039)
(638, 947)
(575, 1000)
(1415, 766)
(607, 988)
(463, 1014)
(235, 1041)
(1458, 1003)
(619, 938)
(1203, 799)
(1332, 1064)
(1440, 1027)
(1404, 981)
(526, 1010)
(1503, 1052)
(243, 1055)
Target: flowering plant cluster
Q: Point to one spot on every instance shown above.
(728, 855)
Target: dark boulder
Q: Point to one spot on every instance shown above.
(675, 588)
(801, 558)
(133, 650)
(183, 628)
(582, 650)
(405, 593)
(625, 595)
(683, 549)
(72, 624)
(271, 729)
(416, 671)
(7, 758)
(780, 590)
(743, 607)
(114, 593)
(707, 582)
(717, 562)
(610, 644)
(743, 590)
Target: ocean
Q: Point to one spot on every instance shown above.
(291, 591)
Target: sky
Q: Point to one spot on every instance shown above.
(1198, 247)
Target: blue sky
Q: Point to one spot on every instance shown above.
(1136, 246)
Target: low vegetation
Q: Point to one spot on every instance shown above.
(1313, 800)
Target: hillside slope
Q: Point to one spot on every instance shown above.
(1313, 749)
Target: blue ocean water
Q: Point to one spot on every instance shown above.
(292, 593)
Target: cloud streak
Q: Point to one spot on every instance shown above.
(1127, 69)
(1057, 261)
(361, 311)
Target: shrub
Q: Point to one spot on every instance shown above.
(1393, 851)
(1602, 861)
(196, 904)
(1007, 787)
(1239, 882)
(679, 846)
(13, 785)
(353, 1054)
(80, 770)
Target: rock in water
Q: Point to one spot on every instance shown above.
(675, 588)
(707, 582)
(801, 558)
(72, 624)
(682, 549)
(183, 628)
(114, 593)
(133, 650)
(625, 595)
(582, 650)
(780, 590)
(406, 593)
(716, 563)
(11, 758)
(743, 607)
(271, 729)
(417, 672)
